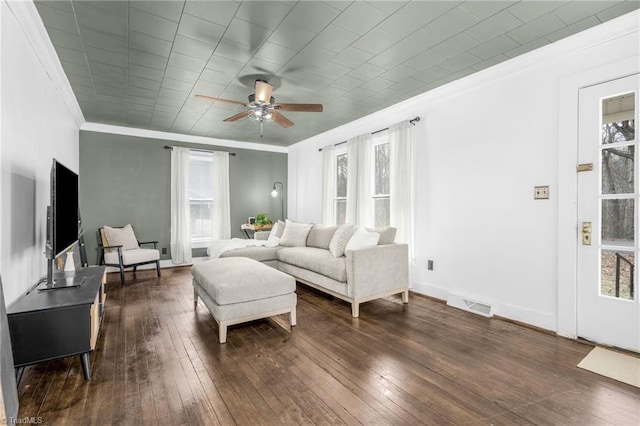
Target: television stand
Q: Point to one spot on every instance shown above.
(46, 325)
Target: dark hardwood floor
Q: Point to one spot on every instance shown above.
(159, 362)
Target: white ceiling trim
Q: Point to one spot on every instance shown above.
(179, 137)
(34, 30)
(610, 30)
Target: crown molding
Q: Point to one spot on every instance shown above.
(29, 20)
(179, 137)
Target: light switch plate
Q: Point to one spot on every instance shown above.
(541, 193)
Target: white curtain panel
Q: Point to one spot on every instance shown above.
(364, 204)
(400, 137)
(352, 180)
(221, 211)
(180, 212)
(328, 185)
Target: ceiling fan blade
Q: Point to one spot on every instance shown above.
(282, 120)
(263, 91)
(299, 107)
(227, 101)
(238, 116)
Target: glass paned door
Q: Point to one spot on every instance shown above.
(608, 310)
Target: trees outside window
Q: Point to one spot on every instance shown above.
(341, 189)
(381, 212)
(200, 197)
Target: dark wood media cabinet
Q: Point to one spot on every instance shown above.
(51, 324)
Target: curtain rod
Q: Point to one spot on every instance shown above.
(412, 121)
(233, 154)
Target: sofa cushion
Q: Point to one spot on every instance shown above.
(320, 236)
(387, 235)
(317, 260)
(362, 239)
(261, 254)
(131, 257)
(340, 240)
(280, 228)
(295, 234)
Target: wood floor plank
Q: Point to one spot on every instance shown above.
(158, 361)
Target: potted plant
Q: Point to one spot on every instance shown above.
(262, 220)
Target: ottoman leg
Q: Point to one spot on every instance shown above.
(292, 317)
(222, 332)
(195, 296)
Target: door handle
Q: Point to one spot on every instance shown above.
(586, 233)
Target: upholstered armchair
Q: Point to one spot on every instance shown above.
(119, 247)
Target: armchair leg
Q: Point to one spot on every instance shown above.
(405, 296)
(158, 268)
(122, 274)
(135, 269)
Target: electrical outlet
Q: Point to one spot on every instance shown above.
(430, 265)
(164, 250)
(541, 193)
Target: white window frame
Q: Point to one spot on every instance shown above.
(378, 139)
(200, 242)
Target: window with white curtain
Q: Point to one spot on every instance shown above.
(341, 188)
(380, 190)
(380, 182)
(200, 197)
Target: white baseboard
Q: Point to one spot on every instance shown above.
(164, 264)
(516, 313)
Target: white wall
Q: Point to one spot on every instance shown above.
(36, 127)
(482, 145)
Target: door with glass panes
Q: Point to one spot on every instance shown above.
(608, 195)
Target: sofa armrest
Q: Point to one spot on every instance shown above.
(377, 270)
(261, 235)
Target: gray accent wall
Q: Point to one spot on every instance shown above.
(126, 179)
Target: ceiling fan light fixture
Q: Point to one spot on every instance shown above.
(260, 113)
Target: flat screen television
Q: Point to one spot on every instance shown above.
(62, 222)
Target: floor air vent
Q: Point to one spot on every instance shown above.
(476, 307)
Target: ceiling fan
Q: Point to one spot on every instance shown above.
(263, 107)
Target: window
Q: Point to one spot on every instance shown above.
(381, 210)
(379, 187)
(200, 197)
(341, 189)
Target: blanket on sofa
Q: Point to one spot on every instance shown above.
(218, 247)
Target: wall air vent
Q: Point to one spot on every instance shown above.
(480, 308)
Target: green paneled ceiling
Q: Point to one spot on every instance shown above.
(140, 63)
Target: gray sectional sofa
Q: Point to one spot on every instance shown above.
(358, 276)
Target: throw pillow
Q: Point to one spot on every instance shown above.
(340, 240)
(320, 236)
(274, 231)
(121, 237)
(273, 240)
(281, 226)
(387, 235)
(362, 239)
(295, 234)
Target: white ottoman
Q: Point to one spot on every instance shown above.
(238, 289)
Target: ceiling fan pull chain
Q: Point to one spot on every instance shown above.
(260, 128)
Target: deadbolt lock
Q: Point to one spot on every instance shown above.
(586, 233)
